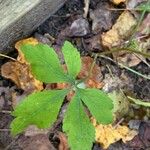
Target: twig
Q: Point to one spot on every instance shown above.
(92, 66)
(5, 111)
(139, 102)
(127, 68)
(13, 141)
(118, 123)
(124, 49)
(3, 55)
(135, 72)
(86, 8)
(143, 60)
(4, 130)
(122, 9)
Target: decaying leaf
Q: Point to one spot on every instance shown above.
(121, 104)
(79, 27)
(32, 130)
(145, 26)
(128, 59)
(63, 145)
(142, 140)
(37, 142)
(118, 1)
(19, 71)
(95, 80)
(120, 30)
(101, 18)
(107, 134)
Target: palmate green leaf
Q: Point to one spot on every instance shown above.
(99, 104)
(44, 63)
(80, 131)
(39, 109)
(72, 59)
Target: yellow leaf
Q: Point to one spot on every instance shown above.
(107, 134)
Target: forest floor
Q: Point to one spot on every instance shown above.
(107, 26)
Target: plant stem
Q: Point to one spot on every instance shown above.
(3, 55)
(124, 49)
(127, 68)
(139, 23)
(135, 72)
(139, 102)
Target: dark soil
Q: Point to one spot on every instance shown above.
(56, 26)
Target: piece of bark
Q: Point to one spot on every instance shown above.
(19, 18)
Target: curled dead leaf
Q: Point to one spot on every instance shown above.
(19, 71)
(20, 74)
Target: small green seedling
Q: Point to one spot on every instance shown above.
(42, 108)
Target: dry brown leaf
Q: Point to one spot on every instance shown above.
(19, 71)
(63, 145)
(118, 1)
(107, 134)
(32, 130)
(95, 80)
(37, 142)
(127, 59)
(120, 30)
(101, 18)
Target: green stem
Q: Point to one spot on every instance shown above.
(139, 23)
(139, 102)
(135, 72)
(124, 49)
(127, 68)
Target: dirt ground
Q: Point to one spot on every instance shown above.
(54, 31)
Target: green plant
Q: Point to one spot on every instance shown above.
(42, 108)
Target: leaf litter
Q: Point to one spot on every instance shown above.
(19, 71)
(121, 36)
